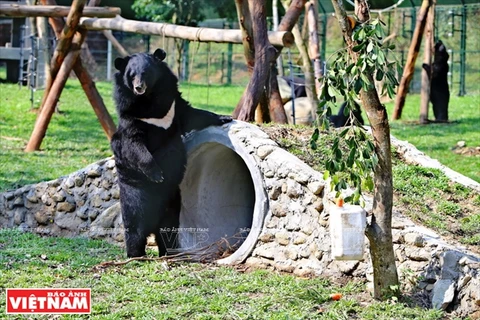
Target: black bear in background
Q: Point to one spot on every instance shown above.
(439, 90)
(342, 120)
(149, 152)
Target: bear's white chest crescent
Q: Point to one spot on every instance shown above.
(164, 122)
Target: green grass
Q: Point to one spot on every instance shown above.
(74, 138)
(437, 139)
(182, 291)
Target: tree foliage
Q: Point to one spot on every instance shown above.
(182, 12)
(352, 158)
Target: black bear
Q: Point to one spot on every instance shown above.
(149, 152)
(439, 90)
(341, 119)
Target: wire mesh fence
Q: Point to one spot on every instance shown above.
(221, 63)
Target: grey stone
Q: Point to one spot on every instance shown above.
(18, 202)
(283, 238)
(70, 182)
(299, 239)
(110, 164)
(94, 171)
(66, 206)
(266, 251)
(43, 217)
(19, 216)
(449, 262)
(115, 193)
(79, 179)
(67, 221)
(83, 213)
(96, 201)
(59, 196)
(417, 254)
(278, 210)
(316, 187)
(107, 217)
(413, 238)
(264, 151)
(92, 214)
(46, 199)
(32, 196)
(443, 293)
(266, 237)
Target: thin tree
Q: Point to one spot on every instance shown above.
(352, 73)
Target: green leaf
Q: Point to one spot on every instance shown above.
(370, 47)
(326, 175)
(379, 75)
(358, 47)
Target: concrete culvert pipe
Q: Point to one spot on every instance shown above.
(223, 193)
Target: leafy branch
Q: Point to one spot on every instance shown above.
(352, 158)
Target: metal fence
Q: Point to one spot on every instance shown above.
(217, 63)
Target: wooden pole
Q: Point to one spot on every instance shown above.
(314, 51)
(109, 35)
(284, 39)
(18, 11)
(58, 84)
(411, 58)
(63, 44)
(427, 59)
(289, 20)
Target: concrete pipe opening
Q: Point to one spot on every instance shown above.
(223, 194)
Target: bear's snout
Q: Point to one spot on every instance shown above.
(139, 86)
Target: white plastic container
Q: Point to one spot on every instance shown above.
(347, 231)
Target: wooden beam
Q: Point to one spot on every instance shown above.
(55, 91)
(63, 44)
(409, 68)
(19, 11)
(283, 39)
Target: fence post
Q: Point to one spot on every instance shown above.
(229, 63)
(109, 60)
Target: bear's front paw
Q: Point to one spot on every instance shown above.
(225, 119)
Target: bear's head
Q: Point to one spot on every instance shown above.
(441, 53)
(142, 72)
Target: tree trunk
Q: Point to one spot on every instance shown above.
(411, 58)
(427, 59)
(307, 67)
(18, 10)
(379, 231)
(265, 55)
(289, 20)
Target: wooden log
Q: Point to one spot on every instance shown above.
(411, 58)
(117, 45)
(95, 99)
(313, 43)
(18, 11)
(46, 112)
(88, 84)
(63, 44)
(284, 39)
(428, 49)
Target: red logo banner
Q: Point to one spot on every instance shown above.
(49, 301)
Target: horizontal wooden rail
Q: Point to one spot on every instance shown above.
(18, 11)
(277, 38)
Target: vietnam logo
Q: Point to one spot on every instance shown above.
(48, 301)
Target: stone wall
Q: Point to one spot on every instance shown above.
(73, 205)
(294, 235)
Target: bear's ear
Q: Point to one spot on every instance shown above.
(160, 54)
(121, 63)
